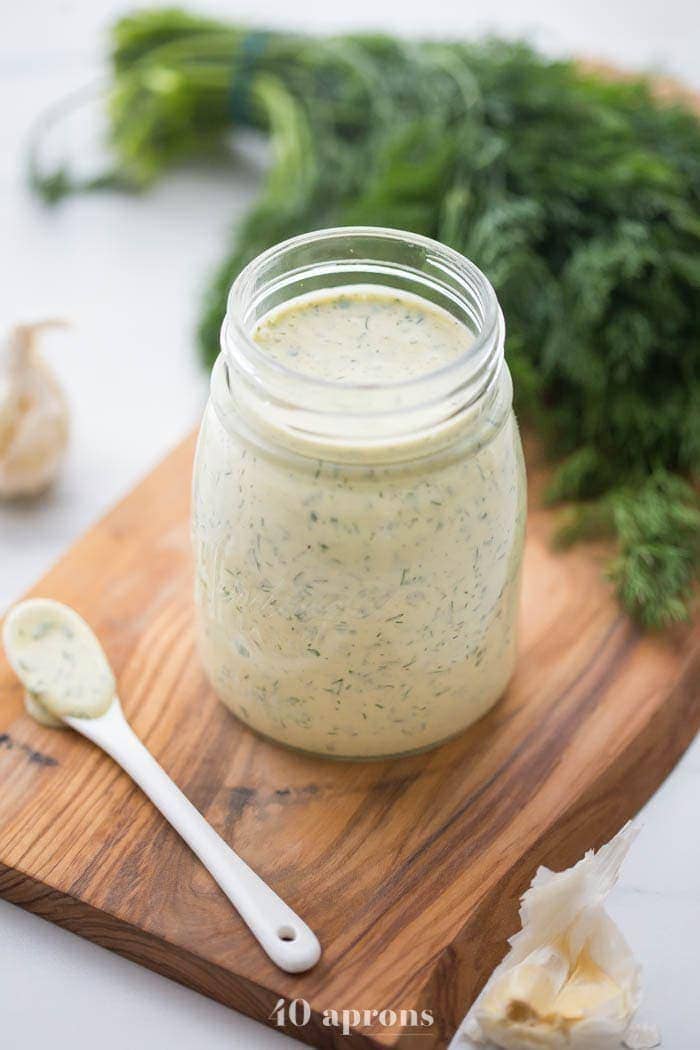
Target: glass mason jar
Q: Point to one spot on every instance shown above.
(358, 545)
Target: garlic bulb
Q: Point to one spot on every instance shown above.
(33, 416)
(569, 979)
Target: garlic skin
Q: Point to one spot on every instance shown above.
(33, 416)
(642, 1037)
(569, 981)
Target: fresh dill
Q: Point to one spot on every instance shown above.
(578, 196)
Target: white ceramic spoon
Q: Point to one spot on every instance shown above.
(40, 626)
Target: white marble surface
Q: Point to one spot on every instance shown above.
(127, 273)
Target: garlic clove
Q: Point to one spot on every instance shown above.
(34, 419)
(569, 980)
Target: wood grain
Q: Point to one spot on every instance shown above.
(410, 870)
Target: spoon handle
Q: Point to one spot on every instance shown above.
(283, 935)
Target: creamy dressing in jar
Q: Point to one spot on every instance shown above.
(362, 334)
(357, 578)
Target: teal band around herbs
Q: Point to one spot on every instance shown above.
(252, 48)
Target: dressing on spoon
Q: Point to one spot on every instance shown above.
(68, 680)
(59, 661)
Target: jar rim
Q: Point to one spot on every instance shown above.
(234, 331)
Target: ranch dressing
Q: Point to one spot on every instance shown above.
(363, 335)
(348, 605)
(58, 660)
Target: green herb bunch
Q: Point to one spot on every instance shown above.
(577, 195)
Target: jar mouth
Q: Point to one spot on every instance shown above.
(343, 420)
(244, 297)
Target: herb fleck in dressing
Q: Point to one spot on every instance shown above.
(358, 609)
(58, 660)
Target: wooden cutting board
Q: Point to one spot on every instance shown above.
(410, 870)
